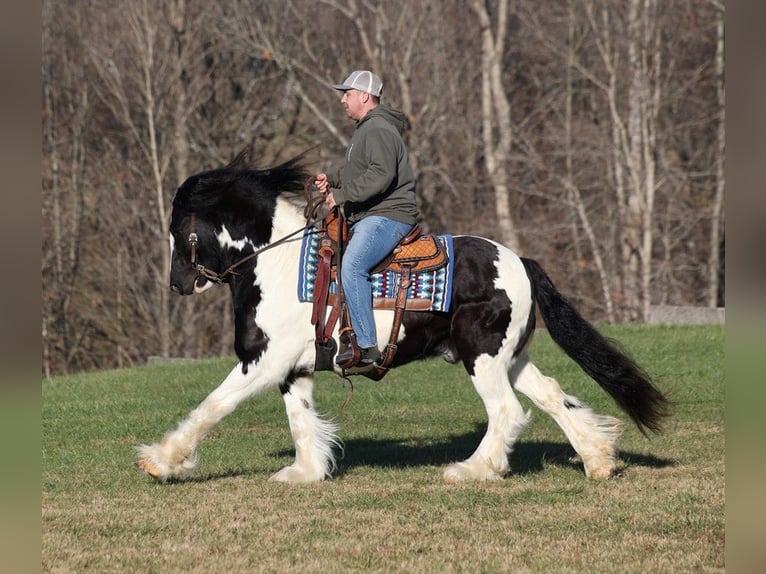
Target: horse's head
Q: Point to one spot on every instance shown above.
(193, 245)
(221, 216)
(195, 257)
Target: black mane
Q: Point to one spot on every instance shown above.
(239, 190)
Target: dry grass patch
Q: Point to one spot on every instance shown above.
(388, 509)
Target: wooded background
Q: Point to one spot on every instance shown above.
(587, 134)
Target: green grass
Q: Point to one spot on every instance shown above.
(387, 510)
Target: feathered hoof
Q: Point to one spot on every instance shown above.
(462, 472)
(149, 468)
(152, 462)
(296, 475)
(600, 473)
(600, 467)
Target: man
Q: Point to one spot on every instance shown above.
(376, 189)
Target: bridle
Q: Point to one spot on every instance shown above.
(219, 278)
(310, 213)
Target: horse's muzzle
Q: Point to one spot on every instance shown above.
(183, 287)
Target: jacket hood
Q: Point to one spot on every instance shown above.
(395, 117)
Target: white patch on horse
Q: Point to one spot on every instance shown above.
(512, 278)
(226, 240)
(276, 274)
(314, 438)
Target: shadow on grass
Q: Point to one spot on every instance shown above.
(204, 477)
(528, 457)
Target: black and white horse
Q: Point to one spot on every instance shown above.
(221, 216)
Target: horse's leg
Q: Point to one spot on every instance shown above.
(593, 436)
(505, 421)
(174, 457)
(314, 437)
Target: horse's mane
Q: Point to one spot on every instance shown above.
(240, 187)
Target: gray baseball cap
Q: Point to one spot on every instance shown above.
(362, 80)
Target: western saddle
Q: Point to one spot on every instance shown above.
(417, 252)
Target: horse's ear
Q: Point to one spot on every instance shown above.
(243, 159)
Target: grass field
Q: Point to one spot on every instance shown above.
(387, 510)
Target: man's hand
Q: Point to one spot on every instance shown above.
(321, 182)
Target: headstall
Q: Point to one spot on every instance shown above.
(221, 277)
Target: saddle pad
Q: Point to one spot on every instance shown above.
(434, 286)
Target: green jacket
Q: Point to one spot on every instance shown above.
(377, 178)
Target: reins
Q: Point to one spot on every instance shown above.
(219, 278)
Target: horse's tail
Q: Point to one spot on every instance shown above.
(601, 358)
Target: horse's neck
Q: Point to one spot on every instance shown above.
(283, 249)
(287, 219)
(277, 269)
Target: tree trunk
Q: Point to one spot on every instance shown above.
(575, 197)
(496, 117)
(634, 144)
(717, 219)
(190, 332)
(147, 52)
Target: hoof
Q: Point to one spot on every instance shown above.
(152, 460)
(149, 468)
(294, 475)
(461, 472)
(599, 467)
(602, 473)
(455, 473)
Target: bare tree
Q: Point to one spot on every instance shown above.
(633, 138)
(592, 130)
(576, 139)
(496, 113)
(156, 81)
(564, 151)
(130, 75)
(66, 112)
(717, 219)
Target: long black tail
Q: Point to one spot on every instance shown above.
(603, 360)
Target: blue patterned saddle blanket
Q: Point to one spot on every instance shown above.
(429, 286)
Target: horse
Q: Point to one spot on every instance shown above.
(238, 224)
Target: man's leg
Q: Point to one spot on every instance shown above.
(373, 239)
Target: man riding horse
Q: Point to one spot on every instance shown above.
(375, 188)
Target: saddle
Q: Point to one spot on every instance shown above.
(416, 252)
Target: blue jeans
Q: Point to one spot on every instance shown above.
(374, 237)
